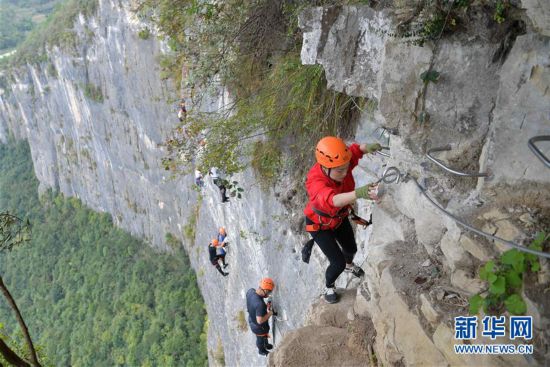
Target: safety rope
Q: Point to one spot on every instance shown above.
(481, 233)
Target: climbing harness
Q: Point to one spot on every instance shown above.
(536, 151)
(341, 215)
(390, 175)
(448, 169)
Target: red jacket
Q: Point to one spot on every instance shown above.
(321, 189)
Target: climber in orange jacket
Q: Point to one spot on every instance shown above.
(331, 190)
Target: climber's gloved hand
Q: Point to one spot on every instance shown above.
(371, 148)
(367, 192)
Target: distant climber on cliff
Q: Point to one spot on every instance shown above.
(331, 190)
(218, 181)
(182, 113)
(215, 258)
(220, 249)
(259, 314)
(199, 181)
(222, 236)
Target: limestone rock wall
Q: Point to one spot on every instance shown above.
(420, 265)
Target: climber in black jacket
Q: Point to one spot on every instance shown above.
(259, 314)
(214, 258)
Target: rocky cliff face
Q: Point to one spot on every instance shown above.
(488, 103)
(105, 148)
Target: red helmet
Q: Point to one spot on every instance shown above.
(332, 152)
(267, 283)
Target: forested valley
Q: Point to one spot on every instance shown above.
(91, 294)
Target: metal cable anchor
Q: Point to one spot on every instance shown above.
(536, 151)
(391, 175)
(382, 153)
(448, 169)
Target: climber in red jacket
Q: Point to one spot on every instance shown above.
(331, 190)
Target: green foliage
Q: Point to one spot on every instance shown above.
(14, 231)
(57, 29)
(17, 18)
(173, 242)
(17, 344)
(462, 3)
(251, 47)
(91, 294)
(233, 187)
(500, 11)
(144, 34)
(13, 27)
(430, 76)
(476, 302)
(266, 162)
(433, 27)
(515, 304)
(430, 21)
(93, 92)
(505, 279)
(291, 107)
(189, 230)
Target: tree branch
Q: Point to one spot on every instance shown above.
(10, 356)
(13, 305)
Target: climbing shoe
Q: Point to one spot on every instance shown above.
(263, 352)
(268, 346)
(330, 295)
(225, 274)
(355, 270)
(225, 265)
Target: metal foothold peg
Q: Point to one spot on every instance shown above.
(383, 153)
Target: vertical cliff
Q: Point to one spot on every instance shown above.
(490, 99)
(96, 118)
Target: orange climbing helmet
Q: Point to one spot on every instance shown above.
(267, 284)
(332, 152)
(215, 242)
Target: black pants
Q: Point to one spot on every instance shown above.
(338, 256)
(218, 182)
(261, 343)
(219, 268)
